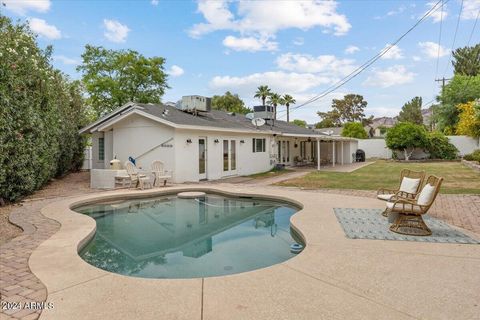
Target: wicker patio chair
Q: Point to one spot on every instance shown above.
(133, 174)
(410, 184)
(410, 211)
(160, 173)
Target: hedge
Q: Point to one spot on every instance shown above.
(41, 111)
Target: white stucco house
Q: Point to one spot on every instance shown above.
(210, 144)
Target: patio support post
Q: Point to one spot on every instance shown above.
(341, 155)
(333, 156)
(318, 154)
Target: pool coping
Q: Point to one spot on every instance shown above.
(69, 279)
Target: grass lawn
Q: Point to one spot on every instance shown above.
(269, 174)
(457, 177)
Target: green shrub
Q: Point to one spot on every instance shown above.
(40, 114)
(354, 130)
(406, 136)
(474, 156)
(439, 147)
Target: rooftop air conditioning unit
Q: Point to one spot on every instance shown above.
(263, 112)
(196, 103)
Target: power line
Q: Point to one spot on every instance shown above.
(369, 62)
(454, 39)
(439, 41)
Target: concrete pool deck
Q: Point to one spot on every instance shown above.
(334, 277)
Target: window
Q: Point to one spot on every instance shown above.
(101, 148)
(258, 145)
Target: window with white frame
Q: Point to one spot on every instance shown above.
(258, 145)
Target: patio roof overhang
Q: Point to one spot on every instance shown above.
(320, 137)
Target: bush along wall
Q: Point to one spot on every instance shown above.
(41, 112)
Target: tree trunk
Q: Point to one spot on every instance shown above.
(405, 152)
(288, 113)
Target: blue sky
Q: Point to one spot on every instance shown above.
(295, 47)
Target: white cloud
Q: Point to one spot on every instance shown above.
(438, 14)
(395, 75)
(154, 2)
(23, 6)
(175, 71)
(470, 9)
(325, 65)
(279, 81)
(416, 58)
(115, 31)
(394, 52)
(42, 28)
(251, 44)
(267, 17)
(432, 49)
(351, 49)
(299, 41)
(65, 60)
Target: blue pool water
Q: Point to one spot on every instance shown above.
(169, 237)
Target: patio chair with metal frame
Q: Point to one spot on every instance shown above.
(409, 220)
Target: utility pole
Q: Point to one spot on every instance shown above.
(443, 82)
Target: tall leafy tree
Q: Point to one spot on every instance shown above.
(469, 119)
(461, 89)
(325, 123)
(466, 61)
(275, 99)
(230, 102)
(262, 93)
(406, 136)
(349, 109)
(114, 77)
(412, 111)
(288, 100)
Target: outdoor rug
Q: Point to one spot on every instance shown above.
(370, 224)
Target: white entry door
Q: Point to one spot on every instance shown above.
(202, 158)
(229, 157)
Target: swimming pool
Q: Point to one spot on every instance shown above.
(170, 237)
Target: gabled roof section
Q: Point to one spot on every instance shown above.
(213, 120)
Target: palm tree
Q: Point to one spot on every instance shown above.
(262, 92)
(288, 100)
(275, 99)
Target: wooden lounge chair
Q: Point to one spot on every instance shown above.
(135, 177)
(410, 211)
(160, 173)
(410, 184)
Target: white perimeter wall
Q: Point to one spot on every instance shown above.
(248, 162)
(377, 148)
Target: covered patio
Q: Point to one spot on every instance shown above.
(318, 151)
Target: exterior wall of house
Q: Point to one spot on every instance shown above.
(96, 162)
(140, 138)
(247, 161)
(108, 156)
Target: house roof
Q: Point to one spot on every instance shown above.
(214, 119)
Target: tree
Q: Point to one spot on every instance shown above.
(230, 102)
(348, 109)
(354, 130)
(466, 61)
(275, 99)
(114, 77)
(412, 111)
(262, 93)
(406, 136)
(461, 89)
(469, 119)
(288, 100)
(300, 123)
(325, 123)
